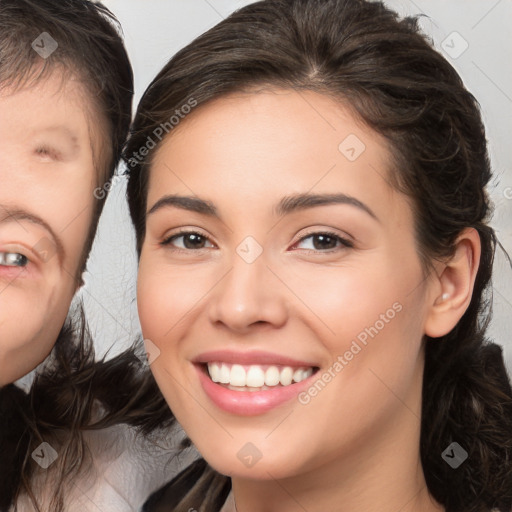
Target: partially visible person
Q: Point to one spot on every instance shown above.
(65, 103)
(66, 88)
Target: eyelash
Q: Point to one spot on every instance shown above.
(168, 241)
(344, 243)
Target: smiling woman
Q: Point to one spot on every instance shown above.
(317, 227)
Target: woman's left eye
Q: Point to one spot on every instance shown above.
(188, 240)
(13, 259)
(322, 242)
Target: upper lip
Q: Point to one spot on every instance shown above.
(250, 357)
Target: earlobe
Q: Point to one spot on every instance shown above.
(456, 282)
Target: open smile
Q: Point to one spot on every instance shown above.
(249, 389)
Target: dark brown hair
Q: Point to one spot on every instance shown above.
(382, 67)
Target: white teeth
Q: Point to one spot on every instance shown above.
(286, 376)
(214, 372)
(297, 375)
(255, 377)
(225, 374)
(272, 376)
(237, 376)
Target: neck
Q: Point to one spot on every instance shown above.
(381, 475)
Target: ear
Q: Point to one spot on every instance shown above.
(452, 287)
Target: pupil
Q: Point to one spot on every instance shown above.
(324, 242)
(15, 260)
(193, 241)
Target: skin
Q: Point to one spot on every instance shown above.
(244, 153)
(48, 175)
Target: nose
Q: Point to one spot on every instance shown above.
(249, 295)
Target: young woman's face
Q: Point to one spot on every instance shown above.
(279, 262)
(46, 199)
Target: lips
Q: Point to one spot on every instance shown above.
(251, 383)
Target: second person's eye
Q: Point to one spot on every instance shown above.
(13, 259)
(188, 240)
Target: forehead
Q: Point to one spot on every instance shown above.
(44, 102)
(272, 142)
(57, 106)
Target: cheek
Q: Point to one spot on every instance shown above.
(370, 314)
(151, 304)
(30, 321)
(345, 299)
(375, 354)
(166, 296)
(21, 316)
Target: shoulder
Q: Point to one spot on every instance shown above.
(126, 467)
(123, 469)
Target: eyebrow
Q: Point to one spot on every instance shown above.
(71, 137)
(193, 204)
(16, 215)
(296, 202)
(285, 206)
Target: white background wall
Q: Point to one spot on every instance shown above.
(156, 29)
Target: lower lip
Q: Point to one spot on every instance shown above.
(249, 403)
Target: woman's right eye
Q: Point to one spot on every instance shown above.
(13, 259)
(188, 240)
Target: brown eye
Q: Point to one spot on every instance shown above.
(189, 240)
(323, 242)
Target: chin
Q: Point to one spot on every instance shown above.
(249, 462)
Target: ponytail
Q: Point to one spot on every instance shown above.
(467, 399)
